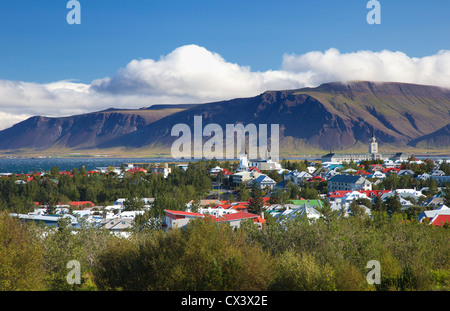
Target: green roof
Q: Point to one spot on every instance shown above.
(315, 203)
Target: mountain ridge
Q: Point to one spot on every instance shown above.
(335, 116)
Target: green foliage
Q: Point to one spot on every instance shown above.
(302, 272)
(20, 257)
(206, 256)
(256, 202)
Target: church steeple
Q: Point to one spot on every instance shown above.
(373, 145)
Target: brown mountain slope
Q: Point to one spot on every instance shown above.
(337, 116)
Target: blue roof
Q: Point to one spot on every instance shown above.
(345, 179)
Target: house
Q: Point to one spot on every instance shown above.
(49, 220)
(82, 204)
(165, 171)
(376, 168)
(215, 170)
(348, 182)
(236, 219)
(265, 164)
(335, 197)
(297, 177)
(437, 173)
(440, 220)
(136, 170)
(179, 219)
(291, 211)
(245, 177)
(434, 201)
(423, 176)
(313, 203)
(377, 174)
(316, 178)
(120, 202)
(265, 182)
(443, 210)
(117, 224)
(403, 193)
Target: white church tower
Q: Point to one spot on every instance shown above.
(373, 147)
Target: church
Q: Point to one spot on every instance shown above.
(373, 154)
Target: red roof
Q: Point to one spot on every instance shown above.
(440, 220)
(338, 193)
(387, 170)
(362, 172)
(226, 172)
(315, 178)
(78, 203)
(182, 213)
(239, 215)
(136, 169)
(253, 168)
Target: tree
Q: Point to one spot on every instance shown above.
(256, 202)
(393, 204)
(378, 204)
(244, 194)
(21, 257)
(356, 210)
(133, 204)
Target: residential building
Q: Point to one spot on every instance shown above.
(179, 219)
(117, 224)
(265, 182)
(431, 215)
(348, 182)
(246, 177)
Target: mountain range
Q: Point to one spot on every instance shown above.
(338, 117)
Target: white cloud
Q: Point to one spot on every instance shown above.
(386, 66)
(193, 74)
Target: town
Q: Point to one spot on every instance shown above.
(251, 224)
(285, 190)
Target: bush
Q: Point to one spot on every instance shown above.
(21, 257)
(302, 273)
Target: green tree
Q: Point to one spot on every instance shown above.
(243, 194)
(21, 257)
(393, 205)
(256, 202)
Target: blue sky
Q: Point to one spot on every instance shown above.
(37, 45)
(136, 53)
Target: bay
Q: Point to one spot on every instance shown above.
(28, 165)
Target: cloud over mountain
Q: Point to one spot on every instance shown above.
(193, 74)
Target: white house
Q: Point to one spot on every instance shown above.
(442, 210)
(348, 182)
(264, 181)
(297, 177)
(298, 211)
(179, 219)
(378, 174)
